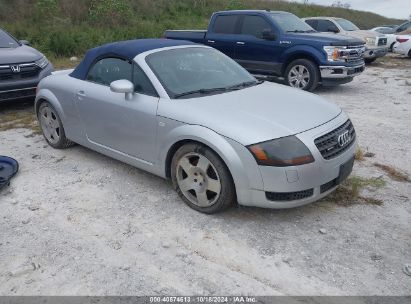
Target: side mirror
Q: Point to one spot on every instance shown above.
(24, 42)
(123, 86)
(268, 34)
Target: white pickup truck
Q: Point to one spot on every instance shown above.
(375, 43)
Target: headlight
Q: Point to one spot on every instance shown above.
(335, 53)
(370, 40)
(282, 152)
(42, 62)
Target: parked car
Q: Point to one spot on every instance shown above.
(21, 68)
(280, 44)
(375, 43)
(383, 30)
(404, 28)
(403, 45)
(188, 112)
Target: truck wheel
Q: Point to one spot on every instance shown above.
(302, 74)
(52, 127)
(202, 179)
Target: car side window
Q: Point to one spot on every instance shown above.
(225, 24)
(107, 70)
(142, 83)
(313, 23)
(326, 26)
(254, 26)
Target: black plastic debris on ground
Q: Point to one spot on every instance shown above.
(8, 168)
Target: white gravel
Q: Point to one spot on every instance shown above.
(74, 222)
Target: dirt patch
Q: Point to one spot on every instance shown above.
(394, 173)
(19, 115)
(392, 61)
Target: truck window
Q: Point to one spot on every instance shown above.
(326, 26)
(254, 26)
(313, 23)
(225, 24)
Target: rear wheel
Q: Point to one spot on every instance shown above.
(202, 179)
(302, 74)
(52, 127)
(409, 53)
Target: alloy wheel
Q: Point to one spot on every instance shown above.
(299, 77)
(198, 179)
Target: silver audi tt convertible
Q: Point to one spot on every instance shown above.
(189, 113)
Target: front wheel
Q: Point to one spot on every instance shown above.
(202, 179)
(302, 74)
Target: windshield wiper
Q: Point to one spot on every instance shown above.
(301, 31)
(245, 84)
(200, 91)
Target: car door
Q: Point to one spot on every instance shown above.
(256, 54)
(111, 121)
(222, 34)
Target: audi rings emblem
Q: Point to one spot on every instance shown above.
(344, 138)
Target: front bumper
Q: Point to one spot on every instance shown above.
(299, 185)
(371, 53)
(340, 72)
(23, 88)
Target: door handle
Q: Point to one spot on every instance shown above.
(240, 42)
(81, 94)
(210, 41)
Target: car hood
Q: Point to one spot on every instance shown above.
(255, 114)
(362, 34)
(19, 54)
(326, 38)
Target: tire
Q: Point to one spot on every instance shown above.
(202, 179)
(52, 127)
(302, 74)
(369, 60)
(409, 53)
(391, 48)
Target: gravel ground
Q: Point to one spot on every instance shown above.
(75, 222)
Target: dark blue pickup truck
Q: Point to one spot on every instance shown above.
(272, 43)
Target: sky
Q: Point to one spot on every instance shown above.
(400, 9)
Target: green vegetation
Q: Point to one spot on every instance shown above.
(62, 28)
(349, 192)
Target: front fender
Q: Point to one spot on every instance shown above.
(239, 161)
(46, 94)
(306, 51)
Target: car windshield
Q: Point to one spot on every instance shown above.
(197, 71)
(347, 25)
(291, 23)
(6, 41)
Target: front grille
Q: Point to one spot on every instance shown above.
(30, 92)
(328, 144)
(289, 196)
(382, 41)
(355, 53)
(27, 71)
